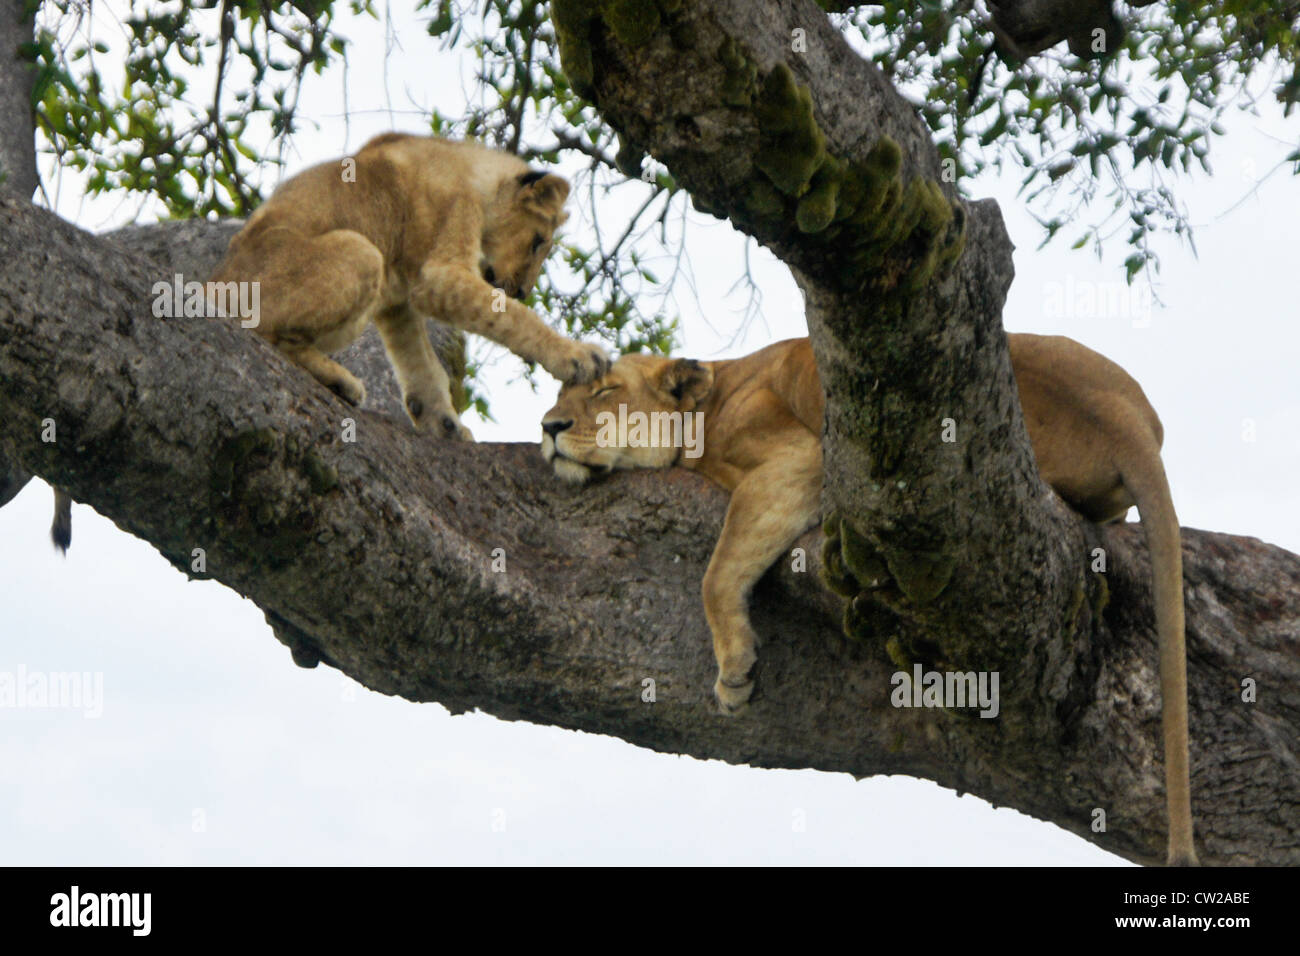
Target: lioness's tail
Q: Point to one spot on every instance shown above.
(61, 529)
(1147, 483)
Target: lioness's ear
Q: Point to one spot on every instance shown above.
(544, 192)
(686, 380)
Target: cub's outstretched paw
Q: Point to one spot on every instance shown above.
(582, 363)
(350, 390)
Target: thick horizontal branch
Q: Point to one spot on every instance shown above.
(377, 556)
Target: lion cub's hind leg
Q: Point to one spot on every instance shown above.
(774, 504)
(326, 371)
(315, 295)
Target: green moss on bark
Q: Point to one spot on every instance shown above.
(633, 22)
(792, 146)
(573, 21)
(233, 454)
(740, 76)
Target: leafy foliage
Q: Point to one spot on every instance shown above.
(210, 89)
(1084, 130)
(153, 133)
(529, 107)
(165, 135)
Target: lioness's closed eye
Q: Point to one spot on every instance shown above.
(762, 418)
(417, 227)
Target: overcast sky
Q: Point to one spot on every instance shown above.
(212, 747)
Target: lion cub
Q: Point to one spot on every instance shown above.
(412, 226)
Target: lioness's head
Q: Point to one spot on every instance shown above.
(520, 226)
(592, 428)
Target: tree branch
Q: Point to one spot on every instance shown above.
(771, 121)
(901, 345)
(376, 557)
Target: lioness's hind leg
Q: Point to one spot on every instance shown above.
(775, 503)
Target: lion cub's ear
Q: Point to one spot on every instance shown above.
(687, 381)
(544, 193)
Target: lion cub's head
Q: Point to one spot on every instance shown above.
(640, 415)
(520, 226)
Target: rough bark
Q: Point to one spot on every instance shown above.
(17, 125)
(973, 508)
(1024, 28)
(17, 152)
(192, 248)
(376, 556)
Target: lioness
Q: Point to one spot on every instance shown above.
(1095, 437)
(412, 226)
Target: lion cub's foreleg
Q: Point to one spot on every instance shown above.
(457, 295)
(770, 508)
(426, 390)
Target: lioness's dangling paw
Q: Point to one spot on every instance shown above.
(733, 699)
(735, 681)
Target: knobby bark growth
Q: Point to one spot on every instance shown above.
(378, 555)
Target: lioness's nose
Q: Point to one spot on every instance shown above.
(557, 426)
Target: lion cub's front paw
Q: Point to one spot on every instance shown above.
(350, 390)
(581, 363)
(443, 422)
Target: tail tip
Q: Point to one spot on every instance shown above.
(1179, 857)
(61, 535)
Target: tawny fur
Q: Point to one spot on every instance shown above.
(1095, 437)
(411, 227)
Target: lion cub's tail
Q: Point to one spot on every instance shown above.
(61, 529)
(1149, 487)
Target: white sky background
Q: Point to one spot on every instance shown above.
(213, 748)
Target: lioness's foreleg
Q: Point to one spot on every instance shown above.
(457, 295)
(426, 390)
(769, 509)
